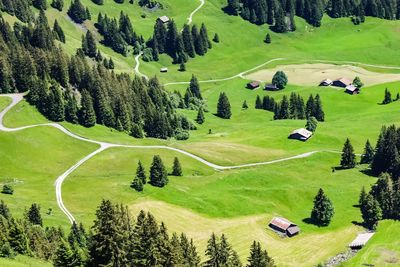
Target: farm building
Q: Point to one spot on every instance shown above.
(164, 19)
(326, 82)
(284, 226)
(271, 87)
(164, 69)
(342, 82)
(253, 85)
(300, 134)
(351, 89)
(361, 240)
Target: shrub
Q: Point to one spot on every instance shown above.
(7, 189)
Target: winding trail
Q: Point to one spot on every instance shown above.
(16, 98)
(137, 66)
(190, 18)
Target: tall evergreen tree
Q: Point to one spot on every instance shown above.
(59, 32)
(194, 87)
(258, 257)
(33, 215)
(200, 116)
(348, 160)
(224, 107)
(319, 113)
(176, 168)
(371, 212)
(368, 155)
(87, 116)
(158, 173)
(89, 46)
(388, 97)
(323, 210)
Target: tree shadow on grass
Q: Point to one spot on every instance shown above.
(358, 223)
(368, 172)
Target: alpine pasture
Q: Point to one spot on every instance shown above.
(238, 202)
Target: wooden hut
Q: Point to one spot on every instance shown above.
(284, 226)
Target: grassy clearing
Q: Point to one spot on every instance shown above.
(24, 261)
(382, 250)
(239, 202)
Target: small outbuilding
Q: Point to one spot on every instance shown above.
(326, 82)
(300, 134)
(284, 226)
(361, 240)
(271, 87)
(164, 19)
(164, 69)
(342, 82)
(352, 90)
(253, 85)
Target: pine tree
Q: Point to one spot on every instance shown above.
(89, 45)
(216, 38)
(158, 173)
(87, 116)
(323, 210)
(388, 97)
(371, 212)
(268, 38)
(368, 154)
(244, 105)
(137, 184)
(212, 252)
(57, 4)
(200, 116)
(382, 192)
(182, 67)
(284, 109)
(259, 258)
(176, 168)
(59, 32)
(319, 113)
(310, 107)
(194, 87)
(363, 196)
(348, 160)
(18, 238)
(280, 23)
(40, 4)
(63, 256)
(259, 103)
(141, 173)
(357, 82)
(224, 107)
(33, 215)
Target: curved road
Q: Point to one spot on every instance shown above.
(16, 98)
(190, 18)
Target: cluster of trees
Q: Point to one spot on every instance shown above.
(280, 13)
(78, 12)
(179, 46)
(386, 157)
(19, 8)
(114, 240)
(382, 202)
(294, 108)
(158, 174)
(388, 97)
(150, 4)
(118, 34)
(267, 103)
(57, 4)
(75, 90)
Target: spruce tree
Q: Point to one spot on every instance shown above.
(284, 109)
(200, 116)
(259, 103)
(158, 173)
(58, 32)
(368, 154)
(18, 237)
(4, 210)
(268, 38)
(33, 215)
(57, 4)
(87, 116)
(371, 212)
(319, 113)
(258, 257)
(63, 255)
(141, 173)
(89, 45)
(388, 97)
(348, 160)
(194, 87)
(323, 210)
(312, 124)
(176, 168)
(224, 107)
(280, 22)
(363, 196)
(244, 105)
(382, 191)
(212, 252)
(216, 38)
(137, 184)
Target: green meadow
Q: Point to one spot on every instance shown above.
(237, 202)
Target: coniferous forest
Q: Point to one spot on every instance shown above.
(114, 239)
(280, 13)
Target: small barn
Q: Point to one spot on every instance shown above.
(342, 82)
(284, 226)
(326, 82)
(271, 87)
(253, 85)
(164, 69)
(352, 90)
(164, 19)
(361, 240)
(300, 134)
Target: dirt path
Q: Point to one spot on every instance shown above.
(190, 18)
(137, 66)
(16, 98)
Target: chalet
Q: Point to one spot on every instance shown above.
(300, 134)
(284, 226)
(164, 19)
(164, 69)
(253, 85)
(361, 240)
(351, 89)
(326, 82)
(342, 82)
(271, 87)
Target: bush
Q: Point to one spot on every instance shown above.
(181, 134)
(7, 189)
(280, 79)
